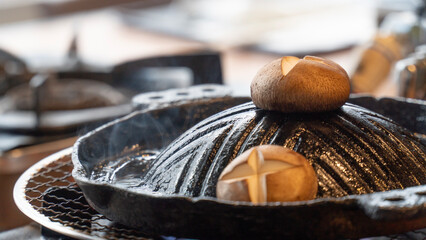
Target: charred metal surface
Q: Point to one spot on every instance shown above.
(409, 113)
(353, 150)
(359, 157)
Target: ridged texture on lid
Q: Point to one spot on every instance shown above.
(353, 150)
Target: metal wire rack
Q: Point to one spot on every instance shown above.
(48, 194)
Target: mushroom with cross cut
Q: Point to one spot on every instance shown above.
(268, 173)
(290, 84)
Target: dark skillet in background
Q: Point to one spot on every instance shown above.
(136, 139)
(38, 107)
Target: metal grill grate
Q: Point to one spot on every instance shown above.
(49, 189)
(48, 194)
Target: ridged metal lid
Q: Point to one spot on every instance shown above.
(353, 150)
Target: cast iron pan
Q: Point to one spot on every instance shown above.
(136, 139)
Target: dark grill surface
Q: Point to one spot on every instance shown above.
(53, 193)
(354, 151)
(163, 195)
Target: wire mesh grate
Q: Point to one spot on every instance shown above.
(52, 192)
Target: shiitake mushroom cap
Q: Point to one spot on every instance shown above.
(311, 84)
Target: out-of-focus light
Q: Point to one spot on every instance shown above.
(411, 68)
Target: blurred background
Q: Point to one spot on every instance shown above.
(59, 58)
(247, 33)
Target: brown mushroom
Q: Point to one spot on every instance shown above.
(268, 173)
(290, 84)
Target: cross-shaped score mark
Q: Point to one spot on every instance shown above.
(255, 171)
(267, 173)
